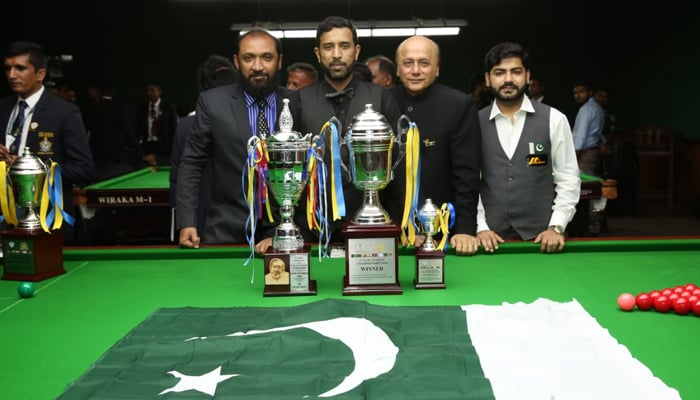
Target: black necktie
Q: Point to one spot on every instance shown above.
(17, 126)
(263, 129)
(346, 92)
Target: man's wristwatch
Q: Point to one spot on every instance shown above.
(556, 228)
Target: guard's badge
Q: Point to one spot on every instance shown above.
(537, 160)
(46, 143)
(428, 143)
(33, 126)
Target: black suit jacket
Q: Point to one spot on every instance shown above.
(57, 133)
(219, 135)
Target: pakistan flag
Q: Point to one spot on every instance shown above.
(340, 349)
(347, 349)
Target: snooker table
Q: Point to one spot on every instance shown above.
(51, 339)
(133, 208)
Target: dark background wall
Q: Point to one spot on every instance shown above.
(647, 54)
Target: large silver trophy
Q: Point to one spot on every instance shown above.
(31, 250)
(371, 237)
(28, 174)
(370, 140)
(288, 155)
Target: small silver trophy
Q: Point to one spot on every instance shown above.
(428, 214)
(430, 260)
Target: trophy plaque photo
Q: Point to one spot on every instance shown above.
(371, 237)
(287, 263)
(30, 252)
(430, 260)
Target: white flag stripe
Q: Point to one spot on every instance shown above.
(548, 350)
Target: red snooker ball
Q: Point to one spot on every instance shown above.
(682, 306)
(690, 287)
(696, 308)
(626, 301)
(644, 301)
(654, 294)
(662, 304)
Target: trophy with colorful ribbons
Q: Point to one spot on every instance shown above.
(430, 256)
(284, 162)
(371, 236)
(31, 200)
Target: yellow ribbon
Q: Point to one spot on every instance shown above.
(7, 198)
(442, 223)
(48, 186)
(408, 229)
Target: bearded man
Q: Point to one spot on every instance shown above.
(226, 118)
(342, 96)
(530, 182)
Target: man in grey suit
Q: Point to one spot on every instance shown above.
(226, 118)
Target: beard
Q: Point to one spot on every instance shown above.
(337, 75)
(259, 90)
(520, 91)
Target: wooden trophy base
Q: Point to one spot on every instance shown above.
(287, 273)
(32, 255)
(430, 269)
(371, 259)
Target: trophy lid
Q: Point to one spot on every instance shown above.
(286, 122)
(27, 164)
(369, 123)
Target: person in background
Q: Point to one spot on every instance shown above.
(301, 74)
(383, 71)
(225, 118)
(530, 182)
(49, 126)
(588, 133)
(450, 138)
(478, 91)
(342, 95)
(536, 89)
(155, 122)
(362, 72)
(215, 71)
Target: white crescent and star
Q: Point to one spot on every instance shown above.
(372, 349)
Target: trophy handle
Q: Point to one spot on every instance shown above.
(252, 143)
(400, 140)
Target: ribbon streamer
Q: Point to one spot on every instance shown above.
(7, 198)
(444, 222)
(413, 174)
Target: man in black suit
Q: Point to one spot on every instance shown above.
(450, 137)
(51, 127)
(226, 117)
(342, 95)
(156, 121)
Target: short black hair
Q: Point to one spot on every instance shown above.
(215, 71)
(332, 22)
(506, 50)
(385, 64)
(36, 53)
(306, 67)
(256, 32)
